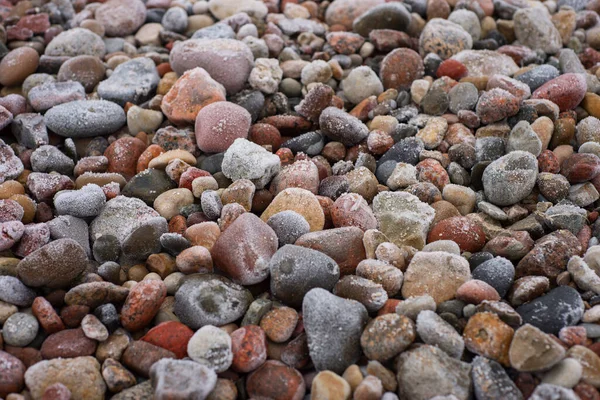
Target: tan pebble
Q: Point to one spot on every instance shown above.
(328, 385)
(162, 160)
(10, 188)
(168, 203)
(353, 376)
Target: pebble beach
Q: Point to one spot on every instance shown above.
(299, 200)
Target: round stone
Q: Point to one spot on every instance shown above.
(85, 118)
(211, 346)
(19, 329)
(219, 124)
(400, 68)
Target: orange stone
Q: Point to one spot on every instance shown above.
(123, 155)
(142, 304)
(486, 335)
(194, 90)
(171, 335)
(151, 152)
(249, 347)
(46, 315)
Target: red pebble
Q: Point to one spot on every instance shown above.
(68, 344)
(453, 69)
(142, 304)
(573, 335)
(432, 171)
(566, 91)
(187, 177)
(249, 347)
(123, 156)
(47, 316)
(476, 291)
(580, 167)
(389, 307)
(467, 234)
(548, 162)
(273, 380)
(171, 335)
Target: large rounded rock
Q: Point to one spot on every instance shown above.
(76, 42)
(219, 124)
(17, 65)
(209, 299)
(533, 350)
(534, 29)
(55, 265)
(295, 270)
(228, 61)
(438, 274)
(384, 16)
(81, 375)
(510, 178)
(121, 17)
(244, 250)
(13, 291)
(120, 217)
(333, 326)
(444, 38)
(85, 118)
(400, 68)
(550, 255)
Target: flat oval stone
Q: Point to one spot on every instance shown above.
(55, 265)
(69, 343)
(85, 118)
(566, 91)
